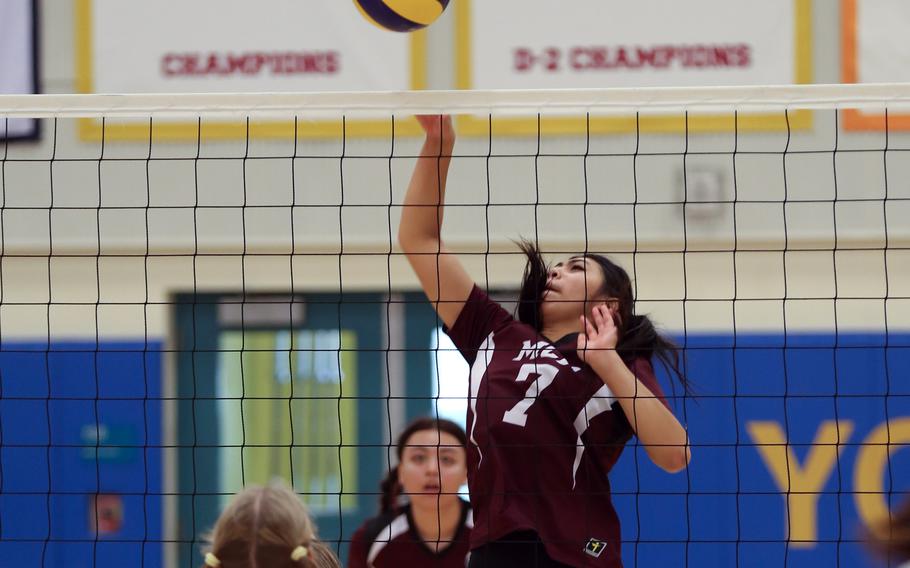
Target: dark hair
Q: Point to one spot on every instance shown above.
(890, 538)
(638, 338)
(391, 488)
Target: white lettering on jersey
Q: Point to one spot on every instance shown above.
(539, 350)
(518, 414)
(536, 351)
(545, 372)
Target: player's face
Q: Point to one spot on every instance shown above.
(572, 286)
(432, 463)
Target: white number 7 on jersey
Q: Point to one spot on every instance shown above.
(518, 414)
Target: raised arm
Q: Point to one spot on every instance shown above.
(664, 438)
(441, 274)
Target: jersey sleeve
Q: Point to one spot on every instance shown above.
(359, 549)
(479, 316)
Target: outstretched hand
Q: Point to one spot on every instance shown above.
(438, 126)
(599, 334)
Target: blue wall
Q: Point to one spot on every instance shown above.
(50, 468)
(726, 508)
(728, 494)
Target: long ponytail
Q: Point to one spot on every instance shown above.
(534, 283)
(639, 338)
(390, 489)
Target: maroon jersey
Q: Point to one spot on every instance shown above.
(391, 541)
(544, 432)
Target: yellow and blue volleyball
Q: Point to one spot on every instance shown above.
(401, 15)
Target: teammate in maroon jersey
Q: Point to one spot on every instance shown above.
(433, 529)
(554, 395)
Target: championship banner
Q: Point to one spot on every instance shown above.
(539, 44)
(875, 48)
(18, 73)
(217, 46)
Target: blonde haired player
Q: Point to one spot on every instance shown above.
(267, 527)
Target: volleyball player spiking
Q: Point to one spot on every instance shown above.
(555, 393)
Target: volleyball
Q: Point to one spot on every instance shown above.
(401, 15)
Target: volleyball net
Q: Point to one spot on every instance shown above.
(199, 292)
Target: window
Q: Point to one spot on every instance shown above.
(450, 378)
(279, 412)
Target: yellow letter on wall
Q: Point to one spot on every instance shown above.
(871, 464)
(801, 484)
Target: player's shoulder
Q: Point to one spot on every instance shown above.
(382, 524)
(479, 316)
(487, 304)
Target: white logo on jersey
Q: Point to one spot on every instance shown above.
(595, 547)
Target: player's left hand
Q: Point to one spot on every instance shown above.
(600, 334)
